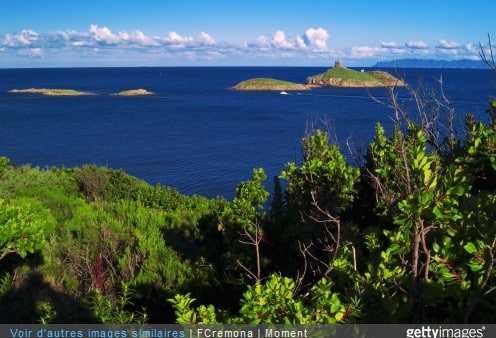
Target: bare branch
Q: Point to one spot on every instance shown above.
(488, 60)
(248, 271)
(6, 252)
(253, 239)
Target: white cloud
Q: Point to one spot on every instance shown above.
(261, 42)
(445, 44)
(8, 40)
(363, 52)
(279, 40)
(140, 38)
(101, 44)
(312, 40)
(177, 39)
(418, 44)
(79, 43)
(300, 43)
(104, 34)
(473, 53)
(316, 38)
(31, 52)
(97, 40)
(124, 36)
(60, 36)
(389, 44)
(449, 51)
(25, 38)
(66, 39)
(206, 38)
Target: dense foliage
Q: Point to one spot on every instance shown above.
(409, 235)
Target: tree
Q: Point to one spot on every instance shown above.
(243, 219)
(319, 192)
(22, 231)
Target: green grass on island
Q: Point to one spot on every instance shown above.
(268, 84)
(50, 92)
(340, 76)
(134, 92)
(347, 74)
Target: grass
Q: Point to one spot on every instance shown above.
(346, 77)
(348, 74)
(50, 92)
(268, 84)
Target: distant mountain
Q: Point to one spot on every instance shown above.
(422, 63)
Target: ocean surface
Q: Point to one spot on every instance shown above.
(195, 134)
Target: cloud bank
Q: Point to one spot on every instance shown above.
(99, 44)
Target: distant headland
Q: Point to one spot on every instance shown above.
(339, 76)
(427, 63)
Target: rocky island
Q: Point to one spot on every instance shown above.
(50, 92)
(134, 92)
(269, 84)
(340, 76)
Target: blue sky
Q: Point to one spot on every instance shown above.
(229, 33)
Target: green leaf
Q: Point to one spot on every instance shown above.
(475, 267)
(470, 248)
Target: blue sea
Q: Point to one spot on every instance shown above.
(195, 134)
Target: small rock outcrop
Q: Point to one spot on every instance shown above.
(135, 92)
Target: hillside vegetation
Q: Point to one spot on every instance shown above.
(344, 77)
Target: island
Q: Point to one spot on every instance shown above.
(50, 92)
(269, 84)
(134, 92)
(340, 76)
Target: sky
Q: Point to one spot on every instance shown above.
(87, 33)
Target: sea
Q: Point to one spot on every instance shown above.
(196, 134)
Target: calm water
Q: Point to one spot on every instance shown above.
(195, 134)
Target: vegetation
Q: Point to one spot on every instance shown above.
(268, 84)
(50, 92)
(408, 236)
(345, 77)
